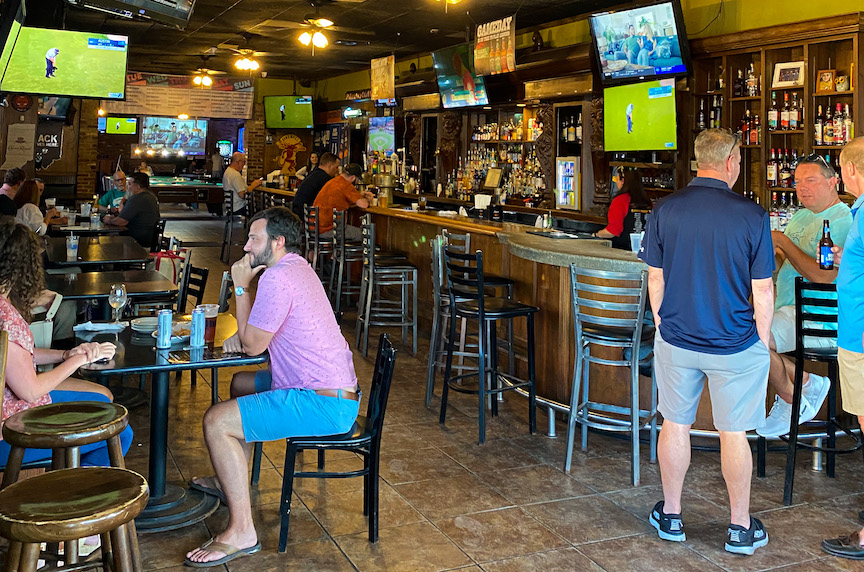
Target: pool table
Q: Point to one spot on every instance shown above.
(184, 190)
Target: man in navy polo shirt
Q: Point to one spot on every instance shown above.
(850, 320)
(708, 250)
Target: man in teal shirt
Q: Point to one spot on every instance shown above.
(797, 250)
(850, 326)
(113, 198)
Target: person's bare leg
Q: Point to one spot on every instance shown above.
(223, 432)
(781, 376)
(673, 452)
(736, 461)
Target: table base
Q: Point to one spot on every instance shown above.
(177, 508)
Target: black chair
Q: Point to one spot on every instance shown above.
(196, 283)
(344, 255)
(364, 439)
(158, 231)
(814, 317)
(230, 217)
(468, 299)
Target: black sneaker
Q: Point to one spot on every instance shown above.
(742, 540)
(669, 526)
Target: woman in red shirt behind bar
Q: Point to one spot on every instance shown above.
(631, 194)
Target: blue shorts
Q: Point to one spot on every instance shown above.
(269, 415)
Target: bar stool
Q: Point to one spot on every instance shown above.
(344, 255)
(609, 314)
(230, 218)
(375, 310)
(68, 504)
(465, 279)
(815, 317)
(317, 249)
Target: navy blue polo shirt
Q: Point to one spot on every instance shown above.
(710, 243)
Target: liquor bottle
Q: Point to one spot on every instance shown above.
(738, 88)
(848, 126)
(783, 213)
(773, 115)
(755, 131)
(752, 82)
(700, 123)
(774, 213)
(839, 127)
(711, 118)
(745, 128)
(828, 127)
(571, 131)
(718, 111)
(772, 170)
(784, 114)
(785, 170)
(578, 128)
(818, 129)
(826, 255)
(793, 113)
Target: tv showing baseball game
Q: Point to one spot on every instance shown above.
(382, 134)
(174, 135)
(121, 125)
(63, 62)
(640, 116)
(644, 42)
(288, 112)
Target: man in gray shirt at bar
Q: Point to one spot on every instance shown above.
(140, 213)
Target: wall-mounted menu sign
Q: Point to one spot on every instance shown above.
(495, 47)
(383, 78)
(153, 94)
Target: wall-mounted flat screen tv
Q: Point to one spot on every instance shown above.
(457, 82)
(121, 125)
(288, 112)
(51, 107)
(640, 116)
(172, 12)
(174, 135)
(382, 134)
(63, 62)
(641, 43)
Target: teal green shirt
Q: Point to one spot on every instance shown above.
(107, 200)
(805, 230)
(632, 44)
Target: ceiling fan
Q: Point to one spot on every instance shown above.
(315, 21)
(205, 70)
(243, 49)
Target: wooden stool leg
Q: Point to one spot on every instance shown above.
(29, 557)
(115, 452)
(13, 557)
(134, 550)
(107, 555)
(13, 466)
(121, 549)
(73, 457)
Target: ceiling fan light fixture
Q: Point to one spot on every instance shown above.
(305, 38)
(319, 40)
(322, 22)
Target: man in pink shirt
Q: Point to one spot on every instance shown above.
(310, 388)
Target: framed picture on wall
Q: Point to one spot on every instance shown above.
(825, 80)
(788, 74)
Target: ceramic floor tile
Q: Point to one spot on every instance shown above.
(302, 526)
(164, 549)
(539, 483)
(411, 548)
(312, 556)
(587, 519)
(342, 513)
(421, 464)
(439, 499)
(640, 501)
(646, 553)
(559, 560)
(499, 534)
(491, 456)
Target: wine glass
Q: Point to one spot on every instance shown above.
(117, 299)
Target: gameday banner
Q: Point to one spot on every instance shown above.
(495, 47)
(49, 143)
(384, 78)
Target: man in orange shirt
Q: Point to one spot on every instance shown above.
(339, 194)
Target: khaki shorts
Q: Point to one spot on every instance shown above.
(851, 381)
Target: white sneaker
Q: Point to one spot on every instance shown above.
(816, 392)
(778, 420)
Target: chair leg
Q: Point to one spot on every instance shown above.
(13, 466)
(120, 544)
(586, 352)
(214, 385)
(287, 491)
(367, 314)
(512, 351)
(832, 416)
(792, 449)
(29, 557)
(374, 482)
(634, 416)
(433, 351)
(320, 459)
(532, 388)
(414, 311)
(761, 453)
(361, 306)
(448, 367)
(257, 449)
(492, 336)
(481, 379)
(404, 305)
(652, 439)
(574, 406)
(13, 557)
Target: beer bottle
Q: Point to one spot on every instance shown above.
(826, 255)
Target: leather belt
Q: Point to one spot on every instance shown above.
(346, 393)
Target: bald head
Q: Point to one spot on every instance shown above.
(238, 159)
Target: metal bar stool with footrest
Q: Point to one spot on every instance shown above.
(318, 249)
(609, 312)
(815, 317)
(230, 219)
(468, 299)
(344, 255)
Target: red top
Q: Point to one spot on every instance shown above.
(617, 212)
(19, 333)
(337, 194)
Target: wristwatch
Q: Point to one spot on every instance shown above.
(239, 290)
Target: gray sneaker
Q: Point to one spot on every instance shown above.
(778, 420)
(816, 392)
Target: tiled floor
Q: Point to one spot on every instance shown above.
(447, 503)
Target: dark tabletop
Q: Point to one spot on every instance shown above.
(136, 352)
(140, 285)
(83, 229)
(97, 250)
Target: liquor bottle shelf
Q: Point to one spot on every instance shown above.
(746, 98)
(828, 146)
(793, 88)
(786, 131)
(506, 142)
(660, 189)
(830, 93)
(641, 165)
(751, 146)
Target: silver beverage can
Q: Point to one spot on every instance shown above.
(163, 329)
(196, 339)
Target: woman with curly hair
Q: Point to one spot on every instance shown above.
(21, 282)
(27, 203)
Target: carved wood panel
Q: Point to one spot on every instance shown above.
(451, 134)
(545, 145)
(412, 136)
(599, 161)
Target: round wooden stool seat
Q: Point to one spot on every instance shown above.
(61, 425)
(71, 503)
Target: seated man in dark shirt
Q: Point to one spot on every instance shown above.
(328, 166)
(11, 181)
(140, 213)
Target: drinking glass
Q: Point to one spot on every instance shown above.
(117, 299)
